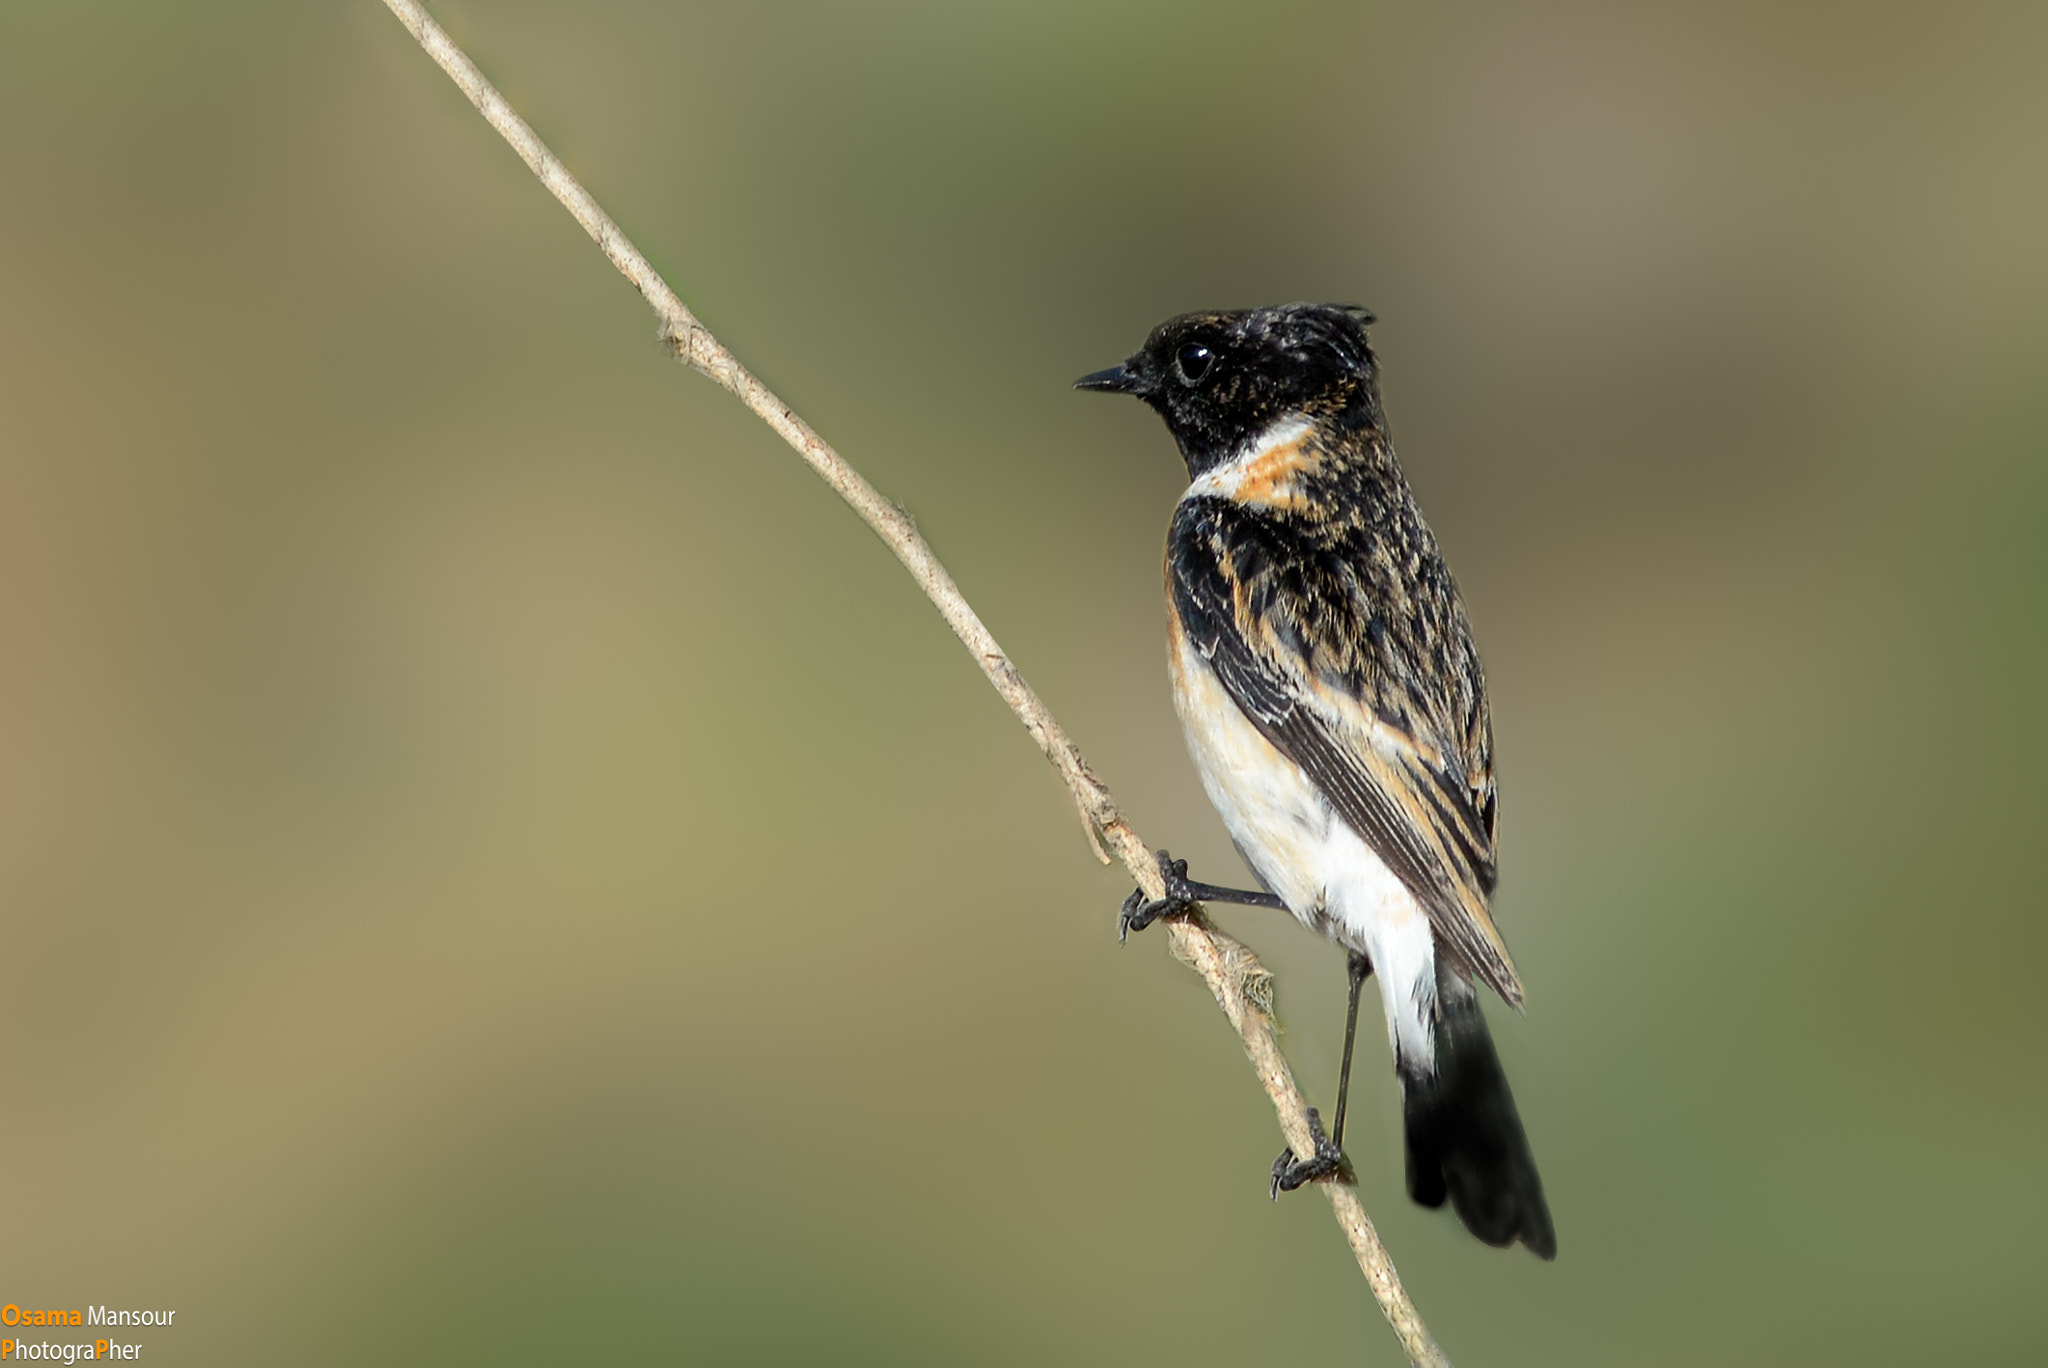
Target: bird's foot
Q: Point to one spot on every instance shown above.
(1138, 912)
(1290, 1173)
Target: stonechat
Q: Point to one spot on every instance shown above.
(1333, 702)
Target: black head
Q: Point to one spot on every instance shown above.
(1220, 379)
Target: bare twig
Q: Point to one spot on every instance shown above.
(1242, 987)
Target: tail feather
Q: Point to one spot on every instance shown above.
(1465, 1139)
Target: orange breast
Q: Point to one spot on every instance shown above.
(1270, 478)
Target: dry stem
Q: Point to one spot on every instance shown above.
(1240, 984)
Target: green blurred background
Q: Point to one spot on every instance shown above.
(496, 865)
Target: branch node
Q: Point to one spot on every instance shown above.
(1237, 971)
(680, 335)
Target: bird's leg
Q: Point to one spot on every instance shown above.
(1359, 967)
(1289, 1172)
(1181, 894)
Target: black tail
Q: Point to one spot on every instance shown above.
(1465, 1140)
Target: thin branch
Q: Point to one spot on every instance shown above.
(1241, 985)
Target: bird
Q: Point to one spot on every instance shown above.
(1333, 703)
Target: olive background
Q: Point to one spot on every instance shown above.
(498, 866)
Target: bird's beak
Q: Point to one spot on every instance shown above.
(1116, 380)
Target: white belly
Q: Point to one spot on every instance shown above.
(1304, 852)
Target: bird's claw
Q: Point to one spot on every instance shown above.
(1138, 912)
(1290, 1173)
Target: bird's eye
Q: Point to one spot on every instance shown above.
(1194, 361)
